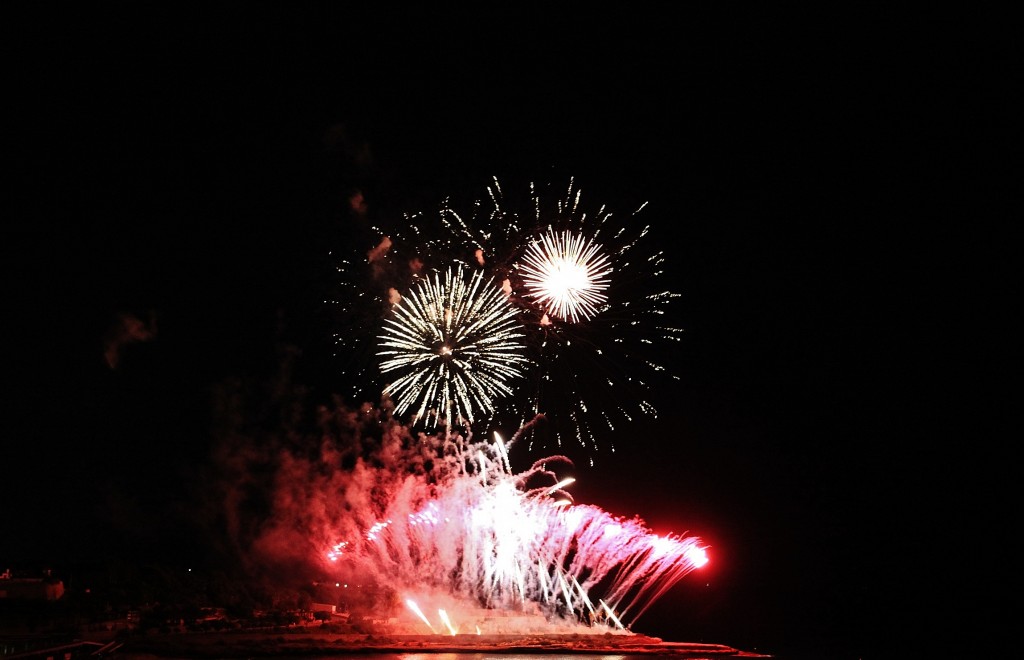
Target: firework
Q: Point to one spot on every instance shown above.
(434, 524)
(566, 274)
(452, 347)
(475, 535)
(594, 348)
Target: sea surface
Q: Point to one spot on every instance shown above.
(482, 656)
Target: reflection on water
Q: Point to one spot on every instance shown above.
(508, 656)
(482, 656)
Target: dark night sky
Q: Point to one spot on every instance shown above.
(802, 172)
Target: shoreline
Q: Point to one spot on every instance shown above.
(248, 645)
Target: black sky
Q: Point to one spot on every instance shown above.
(800, 169)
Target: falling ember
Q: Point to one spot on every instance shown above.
(566, 274)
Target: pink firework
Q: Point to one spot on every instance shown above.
(470, 536)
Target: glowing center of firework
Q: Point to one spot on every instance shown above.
(566, 274)
(696, 555)
(452, 346)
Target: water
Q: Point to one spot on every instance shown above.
(483, 656)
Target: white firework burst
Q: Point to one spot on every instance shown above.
(593, 344)
(566, 274)
(454, 346)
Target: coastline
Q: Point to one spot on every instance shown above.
(248, 645)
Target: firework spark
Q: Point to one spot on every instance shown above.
(453, 347)
(566, 274)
